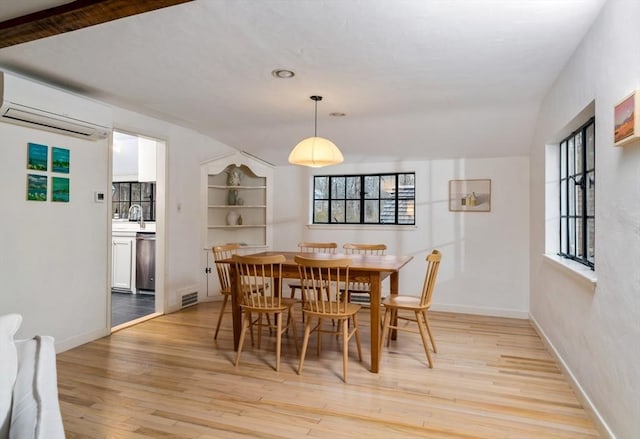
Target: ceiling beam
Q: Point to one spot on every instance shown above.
(73, 16)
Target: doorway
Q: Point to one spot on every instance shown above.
(137, 228)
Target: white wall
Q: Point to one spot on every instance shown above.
(485, 255)
(53, 263)
(595, 331)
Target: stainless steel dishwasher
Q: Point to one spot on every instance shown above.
(146, 262)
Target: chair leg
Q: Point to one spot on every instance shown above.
(356, 331)
(345, 347)
(245, 324)
(319, 344)
(433, 342)
(385, 331)
(291, 321)
(305, 342)
(393, 323)
(423, 334)
(224, 305)
(278, 317)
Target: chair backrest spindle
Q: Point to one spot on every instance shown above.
(433, 263)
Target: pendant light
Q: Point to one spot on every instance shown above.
(315, 151)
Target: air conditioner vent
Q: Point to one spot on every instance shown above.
(34, 105)
(49, 122)
(189, 299)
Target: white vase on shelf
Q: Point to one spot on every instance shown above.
(232, 218)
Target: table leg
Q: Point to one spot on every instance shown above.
(394, 292)
(236, 311)
(375, 321)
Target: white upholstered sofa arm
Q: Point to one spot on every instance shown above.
(35, 409)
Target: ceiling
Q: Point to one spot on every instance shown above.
(417, 79)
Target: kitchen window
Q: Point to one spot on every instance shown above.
(578, 195)
(364, 199)
(126, 194)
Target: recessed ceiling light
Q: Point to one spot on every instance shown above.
(337, 114)
(283, 73)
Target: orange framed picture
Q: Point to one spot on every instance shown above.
(626, 116)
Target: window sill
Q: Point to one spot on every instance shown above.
(575, 269)
(393, 227)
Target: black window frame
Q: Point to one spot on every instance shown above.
(577, 195)
(400, 198)
(123, 197)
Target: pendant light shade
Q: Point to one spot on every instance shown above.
(315, 151)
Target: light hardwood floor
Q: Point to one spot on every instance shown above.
(168, 378)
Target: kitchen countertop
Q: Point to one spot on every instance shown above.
(124, 227)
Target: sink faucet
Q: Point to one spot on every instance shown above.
(135, 213)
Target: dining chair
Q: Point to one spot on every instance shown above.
(261, 290)
(321, 281)
(223, 252)
(418, 305)
(311, 247)
(359, 292)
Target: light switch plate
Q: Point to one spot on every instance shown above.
(98, 197)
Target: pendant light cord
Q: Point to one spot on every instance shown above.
(315, 127)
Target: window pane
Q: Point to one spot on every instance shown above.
(321, 212)
(353, 211)
(371, 211)
(572, 197)
(135, 192)
(579, 239)
(591, 146)
(321, 189)
(146, 210)
(124, 191)
(388, 214)
(571, 154)
(353, 187)
(372, 187)
(578, 200)
(578, 146)
(406, 212)
(591, 193)
(388, 186)
(407, 180)
(591, 240)
(337, 211)
(337, 187)
(146, 191)
(116, 192)
(572, 236)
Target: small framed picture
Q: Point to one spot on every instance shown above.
(36, 187)
(470, 195)
(627, 120)
(37, 157)
(60, 189)
(59, 160)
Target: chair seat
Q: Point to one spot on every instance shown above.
(403, 302)
(350, 310)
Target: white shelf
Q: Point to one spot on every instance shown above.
(217, 186)
(239, 226)
(236, 206)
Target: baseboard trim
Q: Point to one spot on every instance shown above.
(601, 425)
(494, 312)
(81, 339)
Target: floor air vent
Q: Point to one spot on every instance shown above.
(189, 299)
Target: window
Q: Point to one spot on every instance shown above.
(364, 199)
(127, 193)
(577, 195)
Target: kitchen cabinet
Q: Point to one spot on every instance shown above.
(123, 263)
(236, 206)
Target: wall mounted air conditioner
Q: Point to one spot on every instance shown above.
(31, 104)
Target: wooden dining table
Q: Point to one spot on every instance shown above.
(364, 268)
